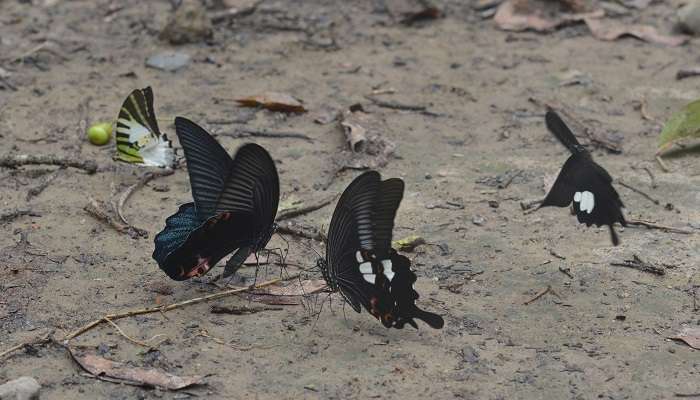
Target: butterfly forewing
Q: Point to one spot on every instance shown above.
(208, 165)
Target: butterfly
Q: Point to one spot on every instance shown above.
(584, 183)
(234, 208)
(138, 138)
(360, 263)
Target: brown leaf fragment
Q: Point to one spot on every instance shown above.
(691, 337)
(273, 101)
(117, 372)
(542, 15)
(364, 135)
(353, 124)
(611, 30)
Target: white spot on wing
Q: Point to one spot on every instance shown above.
(366, 267)
(388, 272)
(370, 278)
(586, 199)
(358, 256)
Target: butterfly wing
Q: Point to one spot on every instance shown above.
(138, 138)
(384, 213)
(589, 187)
(562, 132)
(208, 165)
(351, 230)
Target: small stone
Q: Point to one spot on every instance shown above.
(689, 17)
(189, 24)
(470, 355)
(170, 61)
(478, 220)
(428, 176)
(23, 388)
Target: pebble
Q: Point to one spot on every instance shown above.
(23, 388)
(189, 24)
(478, 220)
(689, 17)
(170, 61)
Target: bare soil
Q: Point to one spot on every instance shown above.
(604, 333)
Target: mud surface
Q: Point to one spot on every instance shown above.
(468, 162)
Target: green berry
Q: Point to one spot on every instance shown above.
(98, 134)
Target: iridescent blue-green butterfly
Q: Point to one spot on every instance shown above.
(234, 208)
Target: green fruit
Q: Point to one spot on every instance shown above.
(98, 134)
(107, 127)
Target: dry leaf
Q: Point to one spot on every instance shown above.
(273, 101)
(355, 132)
(540, 16)
(117, 372)
(691, 337)
(612, 31)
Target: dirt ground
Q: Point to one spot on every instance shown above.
(604, 333)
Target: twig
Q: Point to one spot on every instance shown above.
(651, 225)
(566, 271)
(14, 161)
(652, 177)
(12, 215)
(527, 205)
(245, 310)
(147, 177)
(295, 212)
(687, 73)
(132, 340)
(687, 394)
(304, 232)
(246, 132)
(96, 210)
(395, 105)
(35, 191)
(512, 177)
(634, 189)
(557, 255)
(640, 265)
(232, 13)
(540, 294)
(643, 110)
(163, 309)
(42, 340)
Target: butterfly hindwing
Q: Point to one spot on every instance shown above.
(562, 132)
(138, 138)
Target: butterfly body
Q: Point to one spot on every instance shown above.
(360, 263)
(235, 203)
(583, 183)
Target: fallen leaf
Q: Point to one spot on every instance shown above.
(607, 30)
(364, 135)
(273, 101)
(691, 337)
(685, 123)
(540, 15)
(355, 132)
(408, 243)
(117, 372)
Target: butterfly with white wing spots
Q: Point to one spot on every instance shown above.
(234, 208)
(360, 263)
(584, 183)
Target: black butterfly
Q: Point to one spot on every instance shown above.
(360, 262)
(584, 182)
(235, 203)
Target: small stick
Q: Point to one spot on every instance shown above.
(14, 161)
(246, 132)
(687, 73)
(35, 191)
(301, 232)
(652, 177)
(93, 208)
(643, 110)
(640, 265)
(651, 225)
(241, 310)
(12, 215)
(42, 340)
(527, 205)
(538, 295)
(295, 212)
(132, 340)
(396, 105)
(162, 309)
(566, 271)
(634, 189)
(147, 177)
